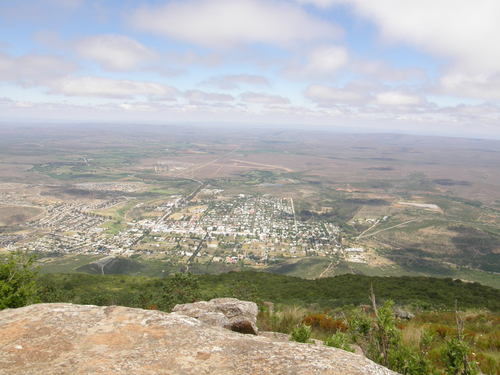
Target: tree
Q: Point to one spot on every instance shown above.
(17, 281)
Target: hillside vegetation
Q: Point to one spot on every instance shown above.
(136, 291)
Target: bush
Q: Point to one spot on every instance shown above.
(359, 324)
(456, 358)
(408, 361)
(17, 281)
(301, 333)
(339, 340)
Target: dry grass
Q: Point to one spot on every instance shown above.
(283, 320)
(412, 334)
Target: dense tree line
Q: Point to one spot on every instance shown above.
(419, 292)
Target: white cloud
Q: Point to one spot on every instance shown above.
(380, 70)
(111, 88)
(39, 12)
(197, 96)
(463, 30)
(223, 23)
(190, 57)
(326, 60)
(326, 95)
(361, 97)
(234, 81)
(33, 70)
(137, 107)
(471, 85)
(263, 98)
(395, 98)
(115, 52)
(319, 3)
(320, 62)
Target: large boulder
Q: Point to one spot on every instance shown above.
(63, 338)
(230, 313)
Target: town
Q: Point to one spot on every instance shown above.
(206, 225)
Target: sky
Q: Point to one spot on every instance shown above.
(407, 66)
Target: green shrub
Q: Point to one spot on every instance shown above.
(456, 358)
(302, 333)
(408, 361)
(359, 324)
(17, 281)
(381, 340)
(339, 340)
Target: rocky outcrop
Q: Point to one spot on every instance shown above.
(403, 314)
(74, 339)
(230, 313)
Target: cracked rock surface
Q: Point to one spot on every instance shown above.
(63, 338)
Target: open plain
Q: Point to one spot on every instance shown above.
(311, 204)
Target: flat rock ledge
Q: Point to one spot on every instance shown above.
(63, 338)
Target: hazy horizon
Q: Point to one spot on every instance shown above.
(41, 125)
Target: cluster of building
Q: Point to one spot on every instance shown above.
(69, 217)
(253, 228)
(204, 226)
